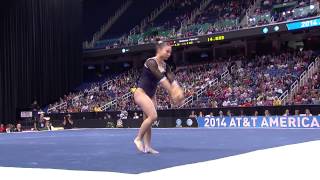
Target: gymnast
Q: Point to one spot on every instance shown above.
(155, 71)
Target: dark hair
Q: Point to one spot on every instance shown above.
(161, 44)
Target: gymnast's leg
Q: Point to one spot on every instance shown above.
(147, 135)
(148, 108)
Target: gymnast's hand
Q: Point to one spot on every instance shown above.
(177, 94)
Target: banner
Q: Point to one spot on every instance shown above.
(259, 122)
(303, 24)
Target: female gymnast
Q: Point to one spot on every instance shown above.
(154, 71)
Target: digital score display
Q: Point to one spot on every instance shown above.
(303, 24)
(216, 38)
(185, 42)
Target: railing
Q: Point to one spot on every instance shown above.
(284, 97)
(64, 104)
(75, 99)
(106, 84)
(126, 96)
(191, 98)
(225, 74)
(108, 105)
(249, 11)
(114, 102)
(154, 14)
(105, 27)
(303, 80)
(194, 14)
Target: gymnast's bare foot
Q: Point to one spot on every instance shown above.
(139, 144)
(151, 150)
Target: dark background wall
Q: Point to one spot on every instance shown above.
(40, 52)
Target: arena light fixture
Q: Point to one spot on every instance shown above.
(265, 30)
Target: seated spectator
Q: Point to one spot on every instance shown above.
(135, 116)
(48, 123)
(192, 115)
(286, 113)
(119, 123)
(40, 123)
(267, 113)
(10, 128)
(277, 101)
(18, 128)
(200, 114)
(67, 122)
(307, 113)
(97, 109)
(229, 113)
(2, 128)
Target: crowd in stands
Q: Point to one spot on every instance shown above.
(10, 128)
(92, 99)
(309, 93)
(271, 11)
(191, 78)
(257, 82)
(219, 16)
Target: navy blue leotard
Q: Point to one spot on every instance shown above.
(151, 76)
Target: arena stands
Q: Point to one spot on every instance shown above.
(191, 78)
(310, 93)
(257, 81)
(165, 25)
(98, 94)
(271, 11)
(218, 16)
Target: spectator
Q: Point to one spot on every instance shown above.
(67, 122)
(277, 101)
(119, 123)
(48, 123)
(10, 128)
(241, 113)
(229, 113)
(286, 113)
(2, 128)
(266, 113)
(97, 109)
(192, 115)
(135, 116)
(307, 113)
(40, 123)
(18, 128)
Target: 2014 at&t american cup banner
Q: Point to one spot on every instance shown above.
(259, 122)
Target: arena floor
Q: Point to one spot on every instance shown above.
(192, 153)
